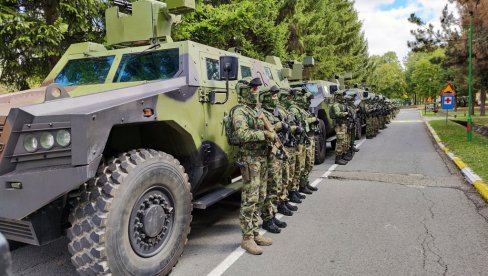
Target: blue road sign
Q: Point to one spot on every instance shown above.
(447, 102)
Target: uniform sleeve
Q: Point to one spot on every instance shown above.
(243, 132)
(338, 112)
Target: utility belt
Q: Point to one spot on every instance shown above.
(255, 149)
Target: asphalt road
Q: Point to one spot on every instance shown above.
(399, 208)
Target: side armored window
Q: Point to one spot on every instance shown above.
(280, 76)
(246, 72)
(147, 66)
(213, 69)
(268, 73)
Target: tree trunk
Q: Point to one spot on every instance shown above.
(51, 11)
(483, 100)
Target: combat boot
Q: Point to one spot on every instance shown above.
(279, 223)
(262, 240)
(311, 188)
(339, 161)
(269, 226)
(249, 244)
(291, 207)
(282, 208)
(369, 137)
(347, 157)
(355, 149)
(294, 197)
(305, 190)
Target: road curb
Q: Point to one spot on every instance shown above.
(472, 178)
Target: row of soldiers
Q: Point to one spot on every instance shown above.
(275, 135)
(346, 112)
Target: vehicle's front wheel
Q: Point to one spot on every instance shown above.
(320, 143)
(133, 218)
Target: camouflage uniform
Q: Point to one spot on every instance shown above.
(310, 148)
(340, 117)
(369, 119)
(301, 152)
(253, 151)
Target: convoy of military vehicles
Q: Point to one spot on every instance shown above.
(122, 141)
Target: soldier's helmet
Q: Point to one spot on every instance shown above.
(255, 82)
(243, 89)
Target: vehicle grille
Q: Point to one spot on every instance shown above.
(18, 230)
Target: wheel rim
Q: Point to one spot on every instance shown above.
(151, 222)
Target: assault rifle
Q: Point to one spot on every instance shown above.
(285, 134)
(277, 147)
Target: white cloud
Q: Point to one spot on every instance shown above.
(389, 30)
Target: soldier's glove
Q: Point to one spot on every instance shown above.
(284, 126)
(270, 136)
(299, 130)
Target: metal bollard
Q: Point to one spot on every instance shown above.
(5, 260)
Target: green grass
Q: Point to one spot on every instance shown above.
(462, 115)
(474, 153)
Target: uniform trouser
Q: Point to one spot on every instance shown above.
(369, 126)
(273, 188)
(254, 175)
(288, 172)
(375, 124)
(341, 130)
(299, 167)
(352, 137)
(347, 142)
(309, 161)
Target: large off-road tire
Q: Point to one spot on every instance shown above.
(320, 143)
(133, 218)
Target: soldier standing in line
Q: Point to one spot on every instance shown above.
(292, 148)
(300, 151)
(368, 107)
(269, 100)
(339, 114)
(253, 150)
(353, 109)
(312, 121)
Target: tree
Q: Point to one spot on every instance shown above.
(38, 32)
(387, 76)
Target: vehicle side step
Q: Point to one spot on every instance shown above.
(217, 195)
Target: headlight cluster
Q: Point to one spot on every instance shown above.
(46, 140)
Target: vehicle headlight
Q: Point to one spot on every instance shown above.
(46, 140)
(63, 138)
(30, 143)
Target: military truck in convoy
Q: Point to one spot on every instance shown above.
(122, 141)
(323, 98)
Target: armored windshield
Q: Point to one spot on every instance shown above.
(85, 71)
(146, 66)
(312, 87)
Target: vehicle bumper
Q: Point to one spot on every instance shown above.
(39, 187)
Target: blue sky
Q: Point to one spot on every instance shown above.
(386, 26)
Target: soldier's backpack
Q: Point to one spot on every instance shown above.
(229, 127)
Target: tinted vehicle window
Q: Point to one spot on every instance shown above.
(146, 66)
(280, 76)
(213, 69)
(312, 87)
(246, 72)
(268, 73)
(85, 71)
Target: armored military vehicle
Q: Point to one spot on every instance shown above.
(323, 97)
(122, 141)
